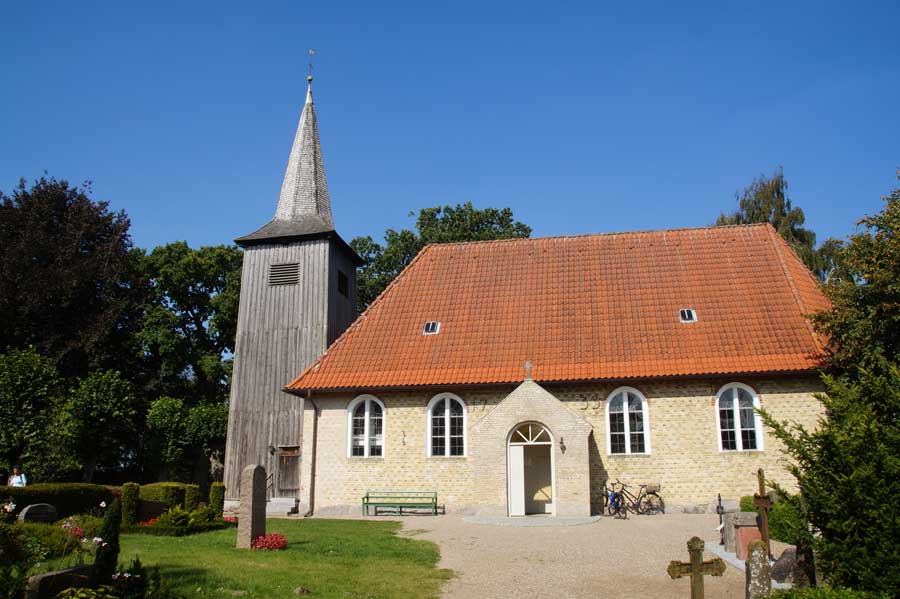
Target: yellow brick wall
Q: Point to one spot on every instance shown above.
(684, 456)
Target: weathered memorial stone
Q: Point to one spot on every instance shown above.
(252, 513)
(696, 568)
(758, 571)
(38, 512)
(784, 566)
(733, 520)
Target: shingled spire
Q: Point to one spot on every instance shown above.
(303, 205)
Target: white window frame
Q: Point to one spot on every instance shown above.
(367, 433)
(465, 409)
(645, 413)
(757, 420)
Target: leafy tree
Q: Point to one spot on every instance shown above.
(99, 421)
(848, 471)
(67, 284)
(186, 436)
(29, 396)
(865, 314)
(765, 200)
(190, 324)
(446, 224)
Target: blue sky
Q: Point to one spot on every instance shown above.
(581, 117)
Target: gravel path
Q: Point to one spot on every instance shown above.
(609, 558)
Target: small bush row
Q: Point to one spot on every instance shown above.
(69, 499)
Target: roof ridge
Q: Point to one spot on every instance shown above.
(780, 244)
(359, 319)
(606, 234)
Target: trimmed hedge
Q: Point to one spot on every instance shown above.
(217, 498)
(177, 531)
(171, 494)
(68, 498)
(107, 556)
(191, 497)
(131, 493)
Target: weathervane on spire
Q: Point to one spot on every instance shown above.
(312, 52)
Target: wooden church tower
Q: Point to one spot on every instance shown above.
(298, 294)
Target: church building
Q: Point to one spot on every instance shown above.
(515, 377)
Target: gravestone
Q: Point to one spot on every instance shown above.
(696, 568)
(742, 539)
(38, 512)
(758, 571)
(252, 512)
(732, 520)
(784, 566)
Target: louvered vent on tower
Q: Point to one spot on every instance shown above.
(284, 274)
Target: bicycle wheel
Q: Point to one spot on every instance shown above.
(651, 504)
(621, 507)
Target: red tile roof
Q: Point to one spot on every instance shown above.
(584, 308)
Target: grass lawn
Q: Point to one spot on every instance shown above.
(331, 558)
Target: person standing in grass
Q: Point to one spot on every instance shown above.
(17, 478)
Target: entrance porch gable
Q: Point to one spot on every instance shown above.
(529, 402)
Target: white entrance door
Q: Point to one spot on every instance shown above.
(531, 482)
(516, 473)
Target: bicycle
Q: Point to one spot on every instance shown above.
(647, 501)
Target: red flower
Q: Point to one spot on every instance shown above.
(271, 542)
(149, 522)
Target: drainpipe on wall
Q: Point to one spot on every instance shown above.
(312, 457)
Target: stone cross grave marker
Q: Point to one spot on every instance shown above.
(696, 568)
(252, 512)
(758, 571)
(763, 503)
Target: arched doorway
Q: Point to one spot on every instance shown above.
(531, 475)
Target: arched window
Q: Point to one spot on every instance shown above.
(365, 427)
(627, 422)
(738, 423)
(446, 426)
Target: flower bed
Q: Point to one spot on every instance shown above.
(270, 542)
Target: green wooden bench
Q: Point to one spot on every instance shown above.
(399, 499)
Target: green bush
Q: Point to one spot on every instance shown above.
(171, 494)
(17, 556)
(102, 592)
(131, 494)
(55, 539)
(175, 517)
(107, 557)
(131, 583)
(217, 497)
(203, 515)
(191, 497)
(747, 504)
(826, 593)
(158, 530)
(68, 498)
(786, 523)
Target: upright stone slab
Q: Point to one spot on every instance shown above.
(252, 513)
(758, 570)
(732, 521)
(38, 512)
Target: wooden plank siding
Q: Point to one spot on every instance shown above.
(281, 330)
